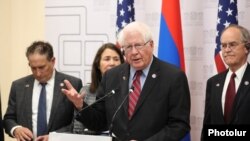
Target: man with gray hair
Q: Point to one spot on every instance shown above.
(227, 93)
(152, 100)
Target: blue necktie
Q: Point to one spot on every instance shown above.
(42, 116)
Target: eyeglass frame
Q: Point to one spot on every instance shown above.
(231, 45)
(137, 46)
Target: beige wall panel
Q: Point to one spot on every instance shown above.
(22, 22)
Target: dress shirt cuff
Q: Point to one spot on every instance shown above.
(13, 129)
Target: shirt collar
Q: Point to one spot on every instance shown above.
(144, 71)
(240, 72)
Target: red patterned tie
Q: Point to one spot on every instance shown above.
(134, 96)
(230, 94)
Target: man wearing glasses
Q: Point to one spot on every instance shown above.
(228, 93)
(152, 100)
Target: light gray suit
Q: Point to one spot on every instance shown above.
(19, 111)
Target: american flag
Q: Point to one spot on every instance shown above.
(125, 13)
(227, 14)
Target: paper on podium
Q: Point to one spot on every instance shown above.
(77, 137)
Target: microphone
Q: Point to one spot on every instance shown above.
(118, 109)
(112, 92)
(77, 113)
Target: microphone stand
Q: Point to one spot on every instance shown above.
(117, 110)
(112, 92)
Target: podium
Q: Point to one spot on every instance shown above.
(77, 137)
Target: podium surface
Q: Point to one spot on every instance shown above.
(77, 137)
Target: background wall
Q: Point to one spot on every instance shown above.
(21, 23)
(78, 28)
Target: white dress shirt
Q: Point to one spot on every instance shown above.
(239, 75)
(35, 100)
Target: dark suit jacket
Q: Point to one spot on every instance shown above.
(19, 110)
(162, 112)
(213, 108)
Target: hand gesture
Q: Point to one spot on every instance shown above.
(73, 95)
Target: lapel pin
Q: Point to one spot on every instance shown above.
(218, 84)
(154, 75)
(124, 77)
(246, 83)
(27, 85)
(61, 84)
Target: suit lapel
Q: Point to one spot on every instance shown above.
(28, 94)
(124, 79)
(151, 79)
(242, 91)
(57, 96)
(219, 84)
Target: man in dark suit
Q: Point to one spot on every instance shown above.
(235, 46)
(22, 112)
(163, 107)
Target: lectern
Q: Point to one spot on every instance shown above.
(77, 137)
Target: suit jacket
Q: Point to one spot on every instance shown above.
(19, 110)
(213, 109)
(162, 112)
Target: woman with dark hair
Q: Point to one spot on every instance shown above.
(107, 57)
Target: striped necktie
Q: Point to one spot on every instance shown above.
(134, 96)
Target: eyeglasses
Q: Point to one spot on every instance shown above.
(230, 45)
(138, 46)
